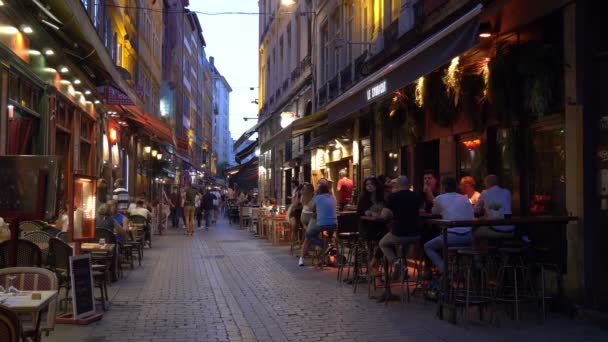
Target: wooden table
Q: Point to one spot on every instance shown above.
(476, 223)
(22, 303)
(108, 247)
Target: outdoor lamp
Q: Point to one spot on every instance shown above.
(159, 156)
(154, 153)
(287, 2)
(147, 149)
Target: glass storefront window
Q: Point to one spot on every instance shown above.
(471, 158)
(548, 171)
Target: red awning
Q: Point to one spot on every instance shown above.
(151, 125)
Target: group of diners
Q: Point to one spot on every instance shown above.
(389, 212)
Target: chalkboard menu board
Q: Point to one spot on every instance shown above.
(83, 300)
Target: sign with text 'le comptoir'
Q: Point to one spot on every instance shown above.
(376, 90)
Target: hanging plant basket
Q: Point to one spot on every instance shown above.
(437, 101)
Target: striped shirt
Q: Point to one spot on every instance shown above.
(121, 195)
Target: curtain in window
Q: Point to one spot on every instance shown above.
(20, 132)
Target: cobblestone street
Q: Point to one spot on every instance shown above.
(224, 285)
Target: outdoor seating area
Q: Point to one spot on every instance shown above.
(488, 281)
(36, 277)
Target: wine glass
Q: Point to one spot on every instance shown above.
(11, 289)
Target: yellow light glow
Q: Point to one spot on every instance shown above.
(49, 52)
(154, 153)
(7, 29)
(147, 149)
(287, 2)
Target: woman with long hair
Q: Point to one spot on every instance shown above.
(372, 197)
(306, 195)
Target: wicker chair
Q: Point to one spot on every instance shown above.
(28, 254)
(102, 258)
(41, 239)
(10, 326)
(34, 279)
(30, 226)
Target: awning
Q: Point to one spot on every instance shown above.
(151, 125)
(250, 132)
(308, 123)
(328, 134)
(280, 137)
(246, 152)
(427, 56)
(235, 169)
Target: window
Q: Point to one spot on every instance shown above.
(395, 9)
(288, 50)
(324, 53)
(281, 61)
(118, 53)
(96, 14)
(350, 23)
(548, 168)
(365, 33)
(337, 33)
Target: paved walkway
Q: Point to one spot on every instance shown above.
(224, 285)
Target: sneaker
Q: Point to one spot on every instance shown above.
(301, 262)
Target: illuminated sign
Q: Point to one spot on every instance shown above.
(376, 90)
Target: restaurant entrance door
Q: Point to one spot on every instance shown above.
(426, 158)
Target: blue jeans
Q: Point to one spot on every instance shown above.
(434, 247)
(312, 234)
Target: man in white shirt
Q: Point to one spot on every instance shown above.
(494, 202)
(451, 206)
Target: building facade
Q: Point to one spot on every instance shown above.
(222, 141)
(407, 86)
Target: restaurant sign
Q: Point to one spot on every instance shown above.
(376, 90)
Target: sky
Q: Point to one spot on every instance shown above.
(232, 39)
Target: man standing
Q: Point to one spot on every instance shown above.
(430, 189)
(467, 188)
(451, 206)
(324, 204)
(345, 189)
(176, 207)
(189, 199)
(216, 204)
(207, 204)
(405, 208)
(121, 196)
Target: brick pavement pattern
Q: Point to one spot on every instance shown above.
(224, 285)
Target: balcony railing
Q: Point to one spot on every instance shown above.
(345, 77)
(333, 87)
(285, 84)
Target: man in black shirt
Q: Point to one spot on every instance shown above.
(405, 207)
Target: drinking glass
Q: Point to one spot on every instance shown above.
(11, 289)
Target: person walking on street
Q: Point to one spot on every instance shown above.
(216, 204)
(198, 210)
(207, 204)
(176, 207)
(189, 199)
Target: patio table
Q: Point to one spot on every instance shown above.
(22, 303)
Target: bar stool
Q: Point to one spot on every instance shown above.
(471, 281)
(346, 240)
(319, 258)
(513, 263)
(542, 264)
(413, 253)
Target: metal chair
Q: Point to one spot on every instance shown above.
(60, 253)
(34, 279)
(10, 326)
(28, 254)
(63, 236)
(41, 239)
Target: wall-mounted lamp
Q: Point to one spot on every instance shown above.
(154, 153)
(159, 156)
(147, 149)
(485, 30)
